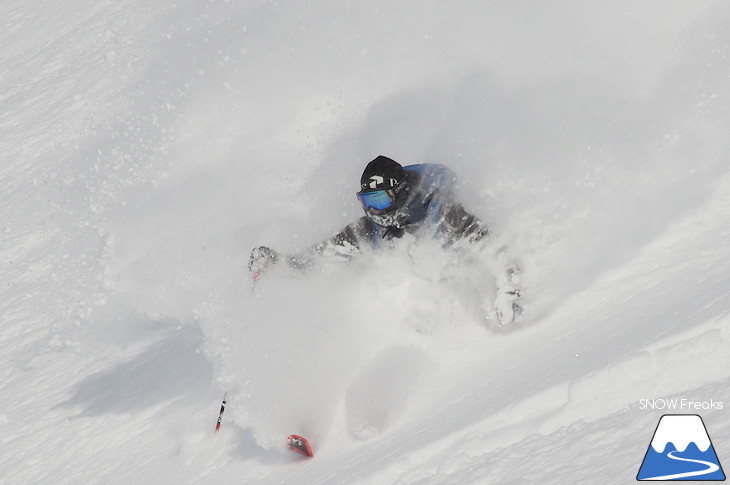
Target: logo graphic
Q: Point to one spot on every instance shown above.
(681, 450)
(376, 180)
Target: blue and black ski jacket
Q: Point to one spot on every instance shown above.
(432, 208)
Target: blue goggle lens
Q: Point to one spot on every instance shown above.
(377, 199)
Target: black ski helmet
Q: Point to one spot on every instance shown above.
(383, 173)
(384, 192)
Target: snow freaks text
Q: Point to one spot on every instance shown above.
(677, 404)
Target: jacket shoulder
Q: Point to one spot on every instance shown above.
(433, 174)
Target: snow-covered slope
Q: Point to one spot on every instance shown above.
(146, 148)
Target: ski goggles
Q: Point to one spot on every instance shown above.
(376, 199)
(379, 200)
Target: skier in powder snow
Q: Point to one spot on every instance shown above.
(416, 199)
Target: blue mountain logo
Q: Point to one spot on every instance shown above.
(681, 450)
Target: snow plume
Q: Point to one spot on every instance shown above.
(300, 346)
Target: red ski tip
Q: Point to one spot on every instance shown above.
(299, 444)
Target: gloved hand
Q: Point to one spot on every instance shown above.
(507, 306)
(261, 259)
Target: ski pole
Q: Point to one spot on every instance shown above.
(220, 414)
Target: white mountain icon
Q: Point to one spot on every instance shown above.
(680, 429)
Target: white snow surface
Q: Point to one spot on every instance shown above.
(146, 147)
